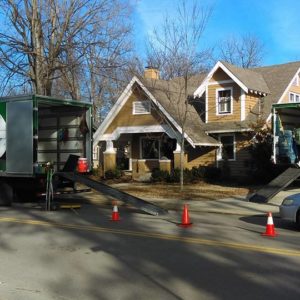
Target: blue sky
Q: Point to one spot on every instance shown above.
(274, 22)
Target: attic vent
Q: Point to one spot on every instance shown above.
(141, 107)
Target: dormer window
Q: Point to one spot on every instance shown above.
(224, 101)
(141, 107)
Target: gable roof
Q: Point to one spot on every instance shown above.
(169, 98)
(271, 82)
(279, 78)
(253, 80)
(247, 79)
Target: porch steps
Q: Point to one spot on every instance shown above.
(267, 192)
(120, 195)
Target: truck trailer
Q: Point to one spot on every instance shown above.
(38, 133)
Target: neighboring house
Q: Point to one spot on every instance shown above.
(143, 129)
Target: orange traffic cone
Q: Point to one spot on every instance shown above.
(115, 214)
(185, 222)
(270, 229)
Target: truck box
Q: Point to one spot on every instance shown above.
(36, 130)
(286, 133)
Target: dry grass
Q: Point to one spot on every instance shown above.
(195, 191)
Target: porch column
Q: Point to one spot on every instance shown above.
(165, 165)
(109, 157)
(177, 153)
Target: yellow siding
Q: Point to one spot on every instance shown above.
(219, 75)
(212, 103)
(294, 89)
(241, 166)
(251, 101)
(126, 118)
(201, 156)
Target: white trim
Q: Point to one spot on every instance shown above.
(217, 101)
(228, 130)
(178, 148)
(219, 151)
(138, 129)
(283, 94)
(201, 89)
(206, 104)
(220, 82)
(147, 110)
(243, 105)
(296, 79)
(114, 111)
(110, 147)
(207, 144)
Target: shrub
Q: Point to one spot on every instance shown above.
(158, 175)
(113, 174)
(212, 173)
(189, 176)
(174, 176)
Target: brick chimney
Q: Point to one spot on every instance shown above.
(151, 73)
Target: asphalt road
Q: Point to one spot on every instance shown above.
(83, 255)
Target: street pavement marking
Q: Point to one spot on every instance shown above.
(189, 240)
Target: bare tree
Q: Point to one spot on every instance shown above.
(50, 40)
(246, 51)
(176, 50)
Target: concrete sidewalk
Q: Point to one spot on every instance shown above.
(238, 205)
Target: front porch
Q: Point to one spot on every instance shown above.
(139, 153)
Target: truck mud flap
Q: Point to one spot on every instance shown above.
(122, 196)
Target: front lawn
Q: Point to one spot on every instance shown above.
(196, 191)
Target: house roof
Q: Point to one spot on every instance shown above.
(171, 95)
(252, 80)
(270, 82)
(278, 78)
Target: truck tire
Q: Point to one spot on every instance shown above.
(6, 194)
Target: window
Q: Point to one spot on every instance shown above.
(294, 97)
(224, 101)
(150, 148)
(227, 150)
(141, 107)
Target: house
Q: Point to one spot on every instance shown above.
(215, 113)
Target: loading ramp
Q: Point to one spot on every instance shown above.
(267, 192)
(117, 194)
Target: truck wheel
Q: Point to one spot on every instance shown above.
(6, 194)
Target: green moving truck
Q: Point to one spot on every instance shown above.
(36, 131)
